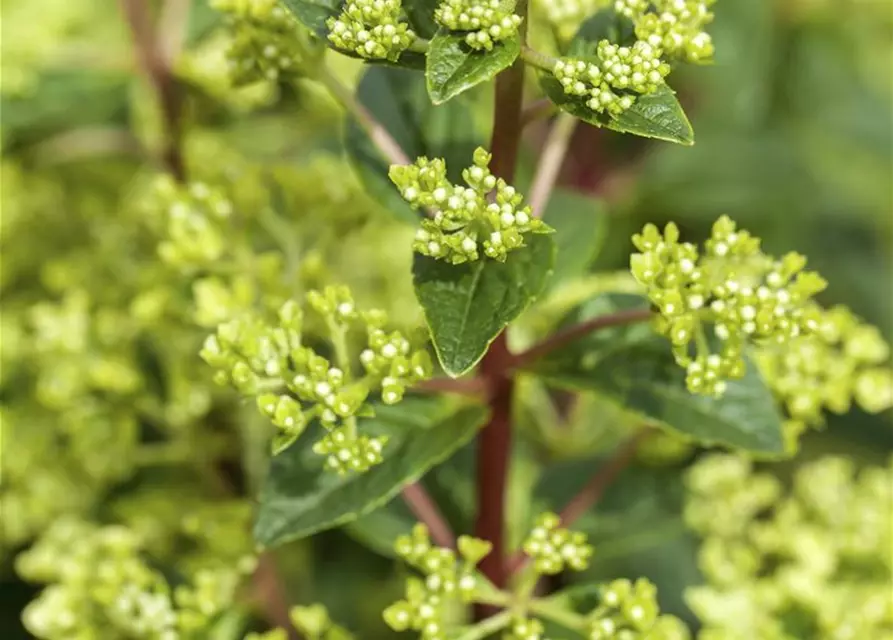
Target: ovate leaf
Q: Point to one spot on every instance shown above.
(468, 305)
(634, 367)
(399, 100)
(300, 498)
(580, 226)
(657, 115)
(453, 67)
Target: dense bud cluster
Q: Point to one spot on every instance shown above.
(486, 215)
(267, 41)
(611, 83)
(313, 622)
(488, 21)
(101, 586)
(294, 384)
(843, 361)
(565, 16)
(194, 216)
(554, 549)
(372, 29)
(674, 26)
(629, 611)
(819, 556)
(525, 629)
(447, 577)
(745, 295)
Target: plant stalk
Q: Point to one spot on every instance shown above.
(551, 159)
(494, 440)
(426, 510)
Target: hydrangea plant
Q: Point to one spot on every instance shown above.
(289, 287)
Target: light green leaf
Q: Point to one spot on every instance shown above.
(657, 115)
(300, 498)
(468, 305)
(398, 99)
(580, 227)
(453, 67)
(634, 367)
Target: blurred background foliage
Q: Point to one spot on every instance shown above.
(794, 128)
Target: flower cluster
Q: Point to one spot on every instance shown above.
(611, 83)
(465, 219)
(565, 16)
(630, 610)
(554, 549)
(267, 40)
(819, 556)
(744, 294)
(101, 585)
(674, 26)
(446, 577)
(842, 362)
(372, 29)
(488, 21)
(295, 385)
(312, 621)
(193, 217)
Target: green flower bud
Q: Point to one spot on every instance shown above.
(372, 29)
(487, 21)
(554, 549)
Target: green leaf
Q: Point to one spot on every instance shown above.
(454, 67)
(300, 498)
(398, 99)
(606, 24)
(421, 16)
(634, 367)
(580, 224)
(466, 306)
(314, 13)
(657, 115)
(379, 529)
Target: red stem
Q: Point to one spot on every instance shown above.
(425, 509)
(494, 441)
(152, 59)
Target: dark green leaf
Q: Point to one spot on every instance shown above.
(634, 367)
(454, 67)
(466, 306)
(379, 529)
(314, 13)
(300, 498)
(399, 100)
(580, 226)
(604, 25)
(657, 115)
(421, 16)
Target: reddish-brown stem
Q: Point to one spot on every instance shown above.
(425, 509)
(468, 386)
(551, 160)
(154, 63)
(592, 491)
(494, 441)
(575, 332)
(270, 594)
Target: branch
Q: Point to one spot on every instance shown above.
(467, 386)
(380, 137)
(425, 509)
(535, 110)
(271, 595)
(155, 65)
(592, 491)
(494, 440)
(551, 159)
(575, 332)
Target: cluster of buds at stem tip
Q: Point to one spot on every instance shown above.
(294, 384)
(745, 296)
(611, 82)
(554, 549)
(629, 611)
(447, 577)
(372, 29)
(267, 41)
(485, 216)
(487, 21)
(675, 26)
